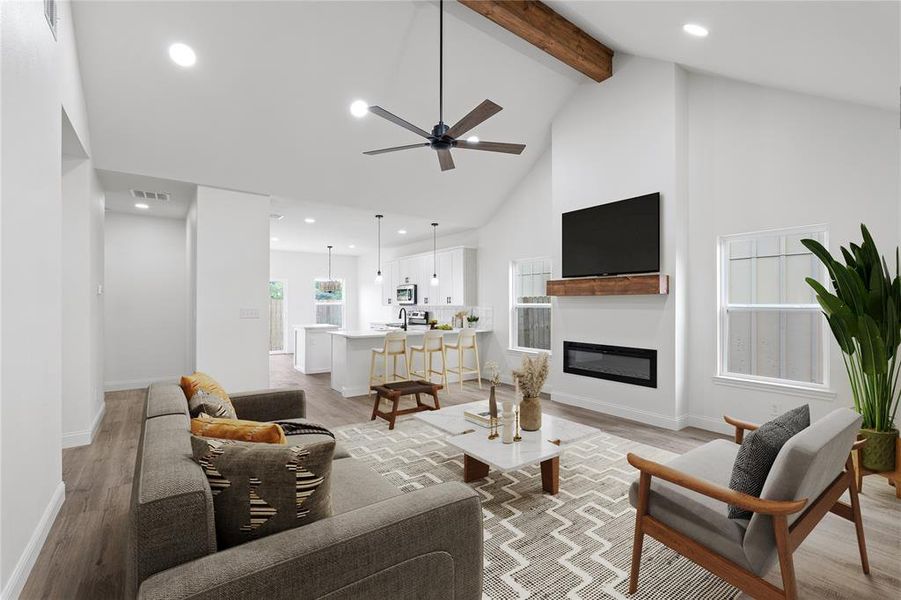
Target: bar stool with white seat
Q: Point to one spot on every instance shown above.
(395, 345)
(432, 343)
(466, 341)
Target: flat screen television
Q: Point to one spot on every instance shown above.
(617, 238)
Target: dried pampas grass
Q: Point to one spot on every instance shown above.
(532, 374)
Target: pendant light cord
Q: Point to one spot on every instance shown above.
(434, 249)
(329, 263)
(441, 61)
(379, 221)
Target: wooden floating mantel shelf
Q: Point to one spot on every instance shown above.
(619, 285)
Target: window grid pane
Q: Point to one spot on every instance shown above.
(531, 307)
(768, 342)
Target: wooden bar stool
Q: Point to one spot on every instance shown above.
(466, 341)
(432, 343)
(395, 345)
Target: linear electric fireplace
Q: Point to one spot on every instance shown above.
(637, 366)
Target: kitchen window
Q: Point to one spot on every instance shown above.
(530, 311)
(328, 301)
(772, 331)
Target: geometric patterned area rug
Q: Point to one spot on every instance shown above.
(575, 545)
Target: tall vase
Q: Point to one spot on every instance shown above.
(530, 414)
(508, 420)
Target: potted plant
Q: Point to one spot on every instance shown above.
(530, 378)
(864, 314)
(472, 320)
(433, 323)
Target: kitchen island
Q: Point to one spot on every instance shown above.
(352, 352)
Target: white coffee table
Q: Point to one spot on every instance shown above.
(481, 454)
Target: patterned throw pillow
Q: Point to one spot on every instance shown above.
(758, 452)
(212, 405)
(191, 384)
(261, 489)
(237, 429)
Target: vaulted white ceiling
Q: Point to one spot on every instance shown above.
(265, 109)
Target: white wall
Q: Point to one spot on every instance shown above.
(614, 141)
(233, 282)
(191, 279)
(298, 270)
(519, 229)
(82, 318)
(146, 306)
(762, 158)
(38, 78)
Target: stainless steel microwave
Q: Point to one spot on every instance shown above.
(406, 293)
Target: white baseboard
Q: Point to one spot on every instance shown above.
(642, 416)
(136, 384)
(83, 438)
(709, 424)
(26, 561)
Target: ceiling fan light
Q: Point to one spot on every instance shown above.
(473, 139)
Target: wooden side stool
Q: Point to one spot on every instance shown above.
(393, 393)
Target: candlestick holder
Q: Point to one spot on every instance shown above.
(492, 428)
(516, 436)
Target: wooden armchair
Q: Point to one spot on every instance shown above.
(683, 504)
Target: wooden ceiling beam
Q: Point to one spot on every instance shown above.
(541, 26)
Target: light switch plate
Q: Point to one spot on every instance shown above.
(249, 313)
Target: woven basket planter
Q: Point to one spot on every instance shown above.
(879, 452)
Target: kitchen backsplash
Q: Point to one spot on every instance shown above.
(445, 314)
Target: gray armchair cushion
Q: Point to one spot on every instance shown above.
(808, 463)
(700, 517)
(355, 485)
(261, 489)
(758, 452)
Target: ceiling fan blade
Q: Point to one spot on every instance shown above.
(445, 160)
(491, 146)
(479, 114)
(378, 110)
(396, 148)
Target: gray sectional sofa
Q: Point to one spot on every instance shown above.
(379, 543)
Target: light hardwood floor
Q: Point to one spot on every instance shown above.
(84, 556)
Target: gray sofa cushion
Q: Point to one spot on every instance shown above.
(697, 516)
(806, 465)
(165, 399)
(758, 452)
(355, 485)
(261, 489)
(171, 515)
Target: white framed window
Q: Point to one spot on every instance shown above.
(328, 301)
(771, 329)
(530, 307)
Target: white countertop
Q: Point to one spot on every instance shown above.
(375, 333)
(316, 326)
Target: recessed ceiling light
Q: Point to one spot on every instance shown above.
(273, 239)
(351, 246)
(309, 220)
(473, 139)
(695, 30)
(402, 231)
(182, 55)
(141, 205)
(276, 217)
(359, 108)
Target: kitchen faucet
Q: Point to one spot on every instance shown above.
(403, 311)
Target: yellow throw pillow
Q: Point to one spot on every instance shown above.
(236, 429)
(201, 381)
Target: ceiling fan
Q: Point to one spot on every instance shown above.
(442, 138)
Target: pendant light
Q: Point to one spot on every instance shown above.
(330, 285)
(434, 255)
(378, 276)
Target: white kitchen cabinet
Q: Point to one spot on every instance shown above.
(389, 282)
(313, 348)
